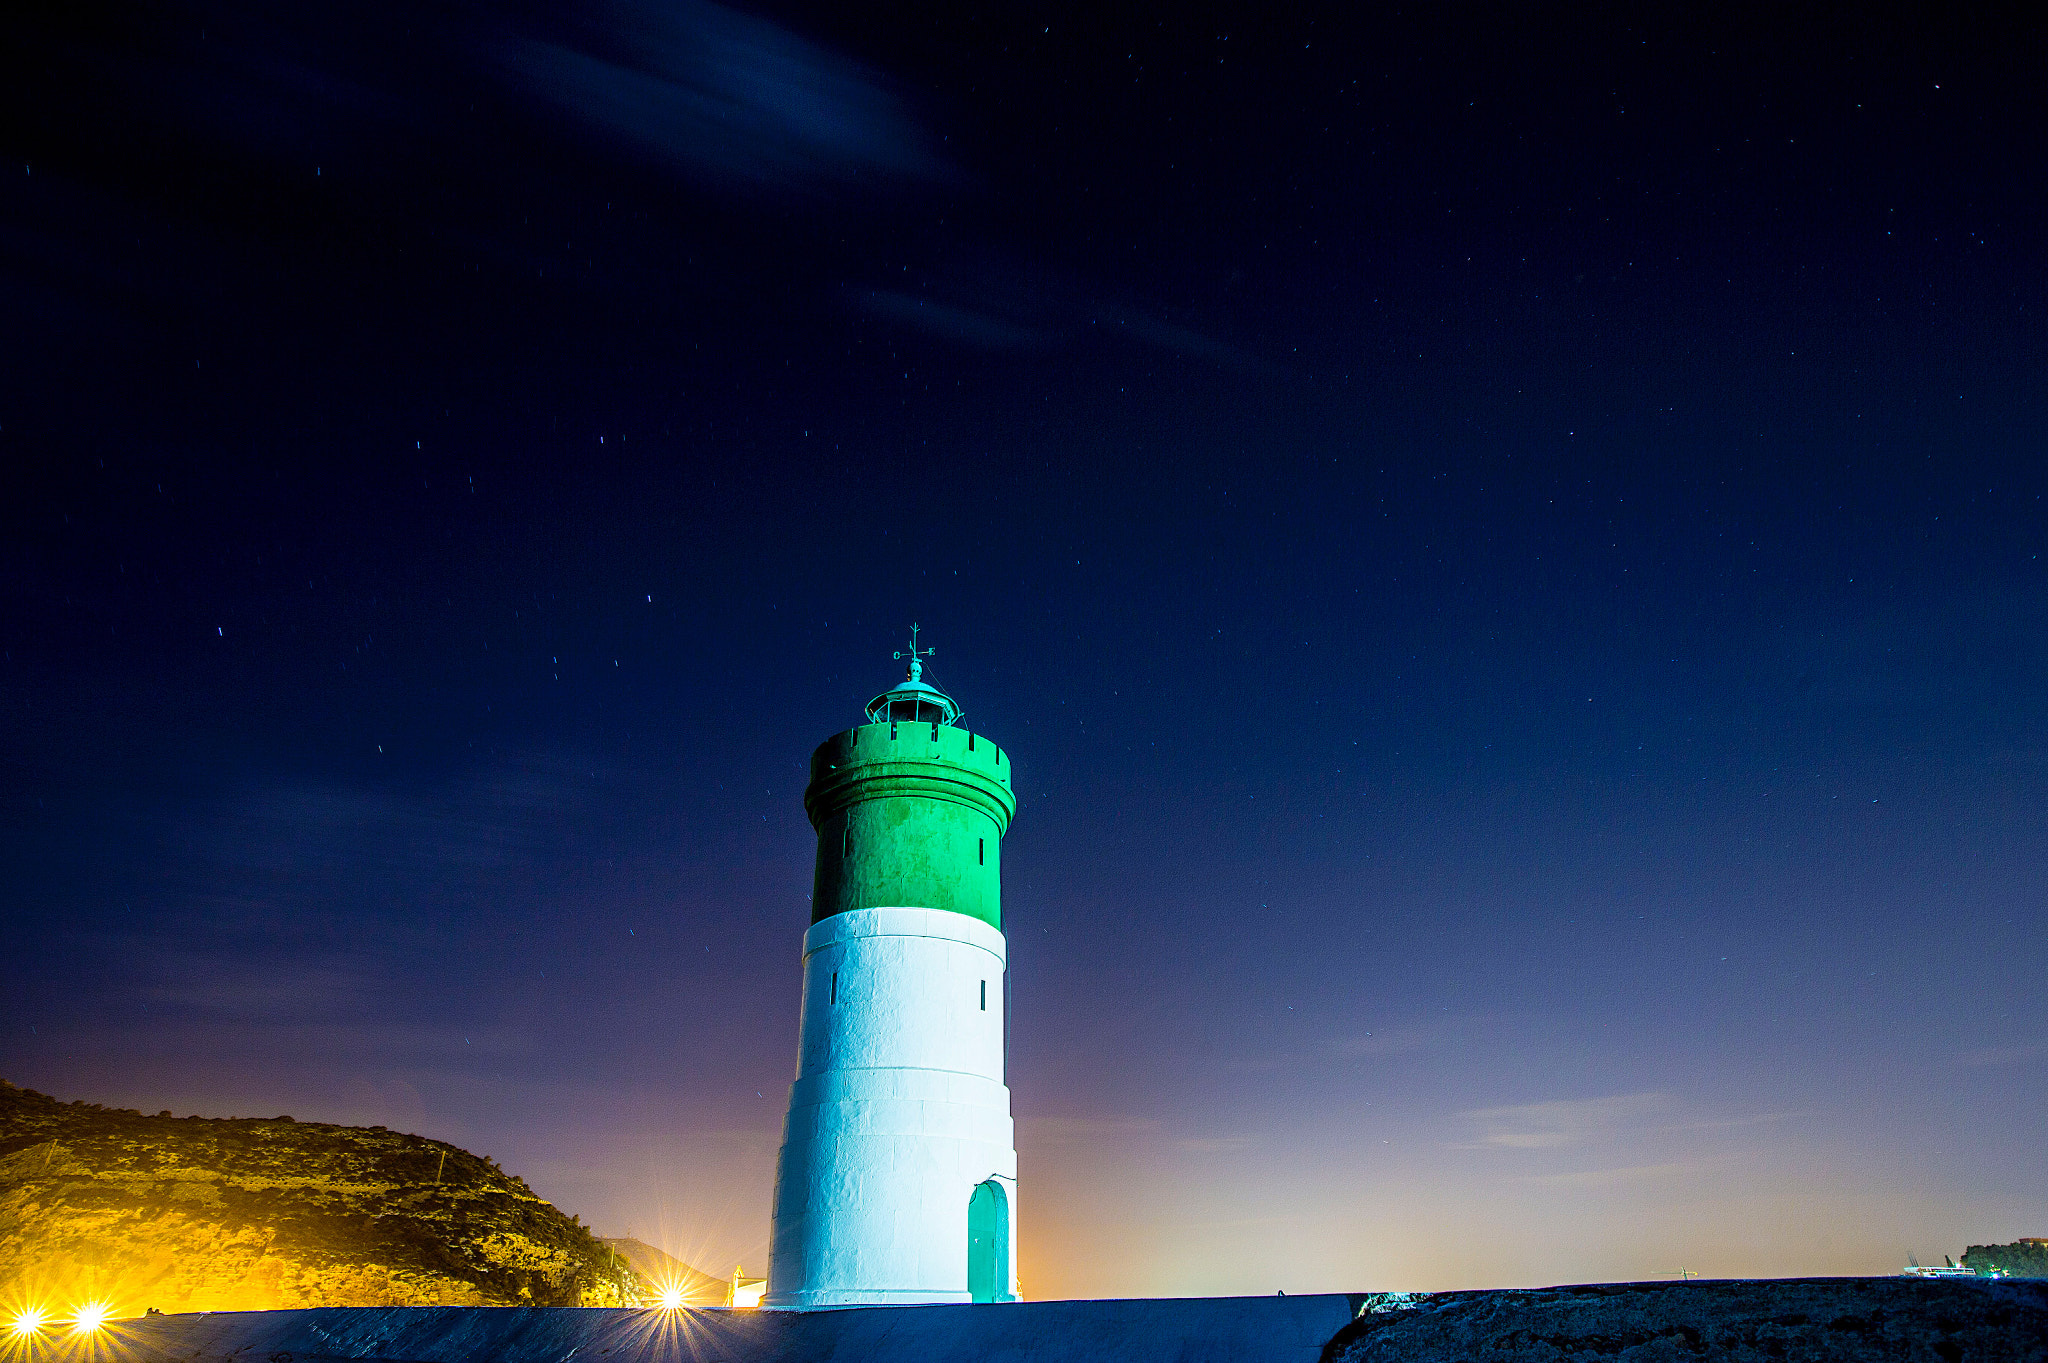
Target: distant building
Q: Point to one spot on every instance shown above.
(744, 1292)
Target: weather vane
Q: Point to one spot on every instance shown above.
(916, 658)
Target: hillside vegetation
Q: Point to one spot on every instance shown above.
(2021, 1259)
(201, 1214)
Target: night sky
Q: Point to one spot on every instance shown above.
(1506, 547)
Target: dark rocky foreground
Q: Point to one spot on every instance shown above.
(1813, 1320)
(1794, 1320)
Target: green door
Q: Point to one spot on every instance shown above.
(988, 1243)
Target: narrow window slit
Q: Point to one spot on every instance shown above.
(981, 851)
(835, 987)
(984, 995)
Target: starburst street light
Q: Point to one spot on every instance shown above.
(26, 1322)
(671, 1298)
(90, 1317)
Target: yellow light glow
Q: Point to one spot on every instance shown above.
(90, 1317)
(671, 1298)
(26, 1322)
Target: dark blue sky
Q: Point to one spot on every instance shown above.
(1506, 548)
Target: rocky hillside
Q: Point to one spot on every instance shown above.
(203, 1214)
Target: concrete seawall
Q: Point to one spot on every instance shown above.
(1192, 1330)
(1811, 1320)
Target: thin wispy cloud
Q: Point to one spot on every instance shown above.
(1186, 341)
(1214, 1145)
(998, 301)
(1062, 1130)
(2004, 1055)
(724, 95)
(951, 321)
(488, 820)
(295, 906)
(212, 985)
(1124, 1131)
(1615, 1141)
(1388, 1041)
(1725, 1123)
(1564, 1122)
(1608, 1178)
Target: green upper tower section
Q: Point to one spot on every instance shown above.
(910, 808)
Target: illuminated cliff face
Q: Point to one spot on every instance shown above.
(198, 1214)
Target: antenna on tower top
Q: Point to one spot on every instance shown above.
(916, 657)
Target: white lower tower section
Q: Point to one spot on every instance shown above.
(898, 1117)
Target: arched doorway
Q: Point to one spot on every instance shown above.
(988, 1243)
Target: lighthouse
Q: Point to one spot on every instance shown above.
(897, 1179)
